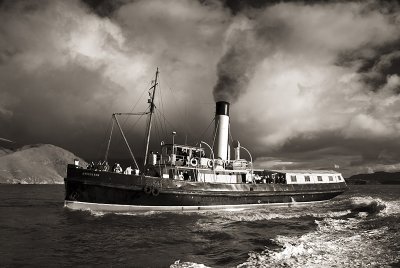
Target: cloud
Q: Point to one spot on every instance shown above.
(64, 69)
(57, 68)
(305, 88)
(312, 85)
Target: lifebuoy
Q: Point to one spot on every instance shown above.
(148, 189)
(210, 163)
(193, 162)
(155, 191)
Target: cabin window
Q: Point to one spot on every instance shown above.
(307, 178)
(330, 178)
(293, 178)
(319, 178)
(340, 178)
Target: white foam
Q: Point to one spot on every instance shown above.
(391, 207)
(179, 264)
(261, 214)
(96, 213)
(335, 243)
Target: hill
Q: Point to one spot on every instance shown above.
(379, 177)
(38, 164)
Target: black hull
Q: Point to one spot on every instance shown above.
(98, 187)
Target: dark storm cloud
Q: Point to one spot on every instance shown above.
(50, 92)
(313, 85)
(305, 88)
(104, 8)
(64, 67)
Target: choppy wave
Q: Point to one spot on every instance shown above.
(350, 241)
(374, 206)
(97, 213)
(352, 232)
(179, 264)
(265, 215)
(352, 206)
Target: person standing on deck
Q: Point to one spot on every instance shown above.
(117, 168)
(128, 171)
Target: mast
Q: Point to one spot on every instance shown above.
(150, 118)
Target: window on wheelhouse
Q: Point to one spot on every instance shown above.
(307, 178)
(330, 178)
(293, 178)
(319, 178)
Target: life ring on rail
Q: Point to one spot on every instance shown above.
(155, 191)
(193, 162)
(147, 189)
(210, 163)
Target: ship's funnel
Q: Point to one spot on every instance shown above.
(221, 130)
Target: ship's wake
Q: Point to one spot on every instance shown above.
(353, 232)
(366, 235)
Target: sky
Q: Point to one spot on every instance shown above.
(312, 85)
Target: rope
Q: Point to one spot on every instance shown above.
(230, 134)
(162, 106)
(167, 121)
(157, 127)
(215, 134)
(134, 106)
(204, 132)
(106, 130)
(109, 142)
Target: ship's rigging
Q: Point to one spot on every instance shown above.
(157, 123)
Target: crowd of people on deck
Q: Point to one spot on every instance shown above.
(104, 166)
(274, 178)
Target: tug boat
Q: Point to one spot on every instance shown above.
(192, 178)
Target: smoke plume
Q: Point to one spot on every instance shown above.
(237, 64)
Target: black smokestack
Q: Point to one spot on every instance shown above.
(222, 108)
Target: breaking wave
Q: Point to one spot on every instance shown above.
(374, 206)
(179, 264)
(366, 233)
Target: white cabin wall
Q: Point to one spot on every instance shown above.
(313, 178)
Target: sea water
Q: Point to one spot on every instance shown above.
(356, 229)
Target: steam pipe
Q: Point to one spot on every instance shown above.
(251, 160)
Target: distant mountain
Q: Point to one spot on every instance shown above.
(39, 164)
(379, 177)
